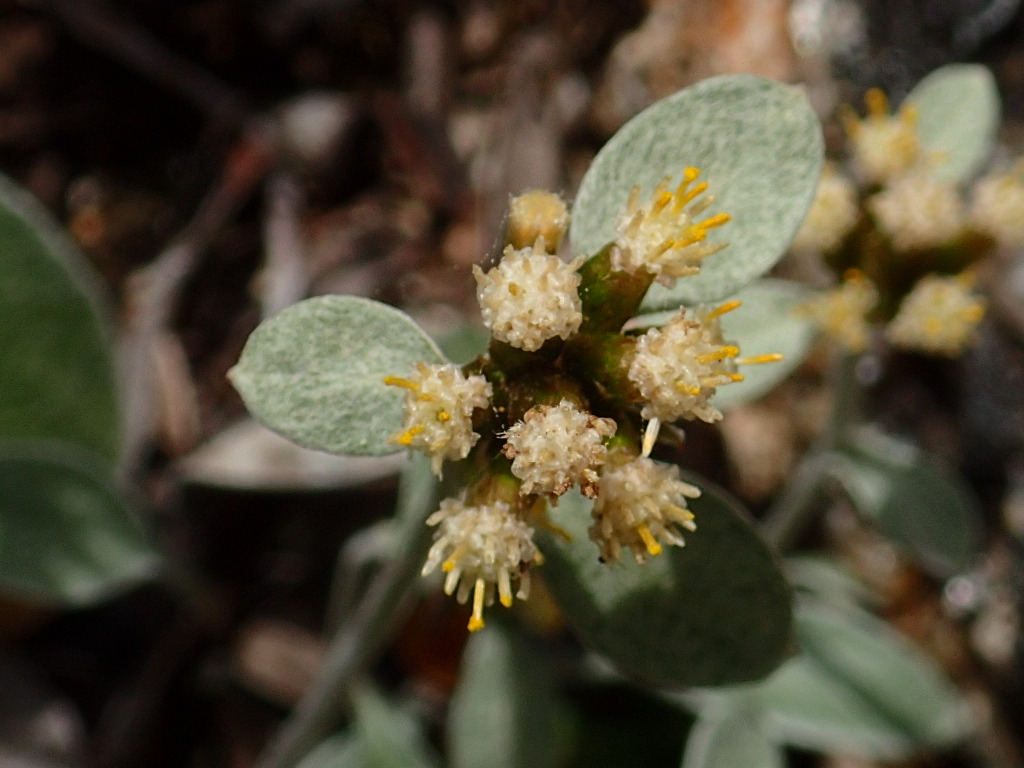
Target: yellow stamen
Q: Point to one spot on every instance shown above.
(771, 357)
(716, 221)
(653, 547)
(685, 197)
(736, 376)
(729, 306)
(878, 104)
(721, 353)
(476, 621)
(406, 437)
(664, 198)
(398, 381)
(443, 416)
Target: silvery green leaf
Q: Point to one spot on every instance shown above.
(390, 736)
(958, 113)
(899, 682)
(58, 376)
(67, 536)
(315, 373)
(758, 144)
(736, 739)
(501, 713)
(927, 509)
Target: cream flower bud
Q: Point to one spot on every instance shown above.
(530, 297)
(939, 316)
(832, 214)
(677, 368)
(439, 404)
(919, 211)
(884, 145)
(537, 214)
(554, 447)
(842, 311)
(998, 206)
(662, 236)
(640, 506)
(481, 548)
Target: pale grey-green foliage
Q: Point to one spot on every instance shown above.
(315, 373)
(712, 613)
(856, 688)
(925, 508)
(758, 145)
(390, 736)
(501, 713)
(58, 375)
(67, 537)
(734, 740)
(958, 116)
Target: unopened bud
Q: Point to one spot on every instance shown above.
(536, 214)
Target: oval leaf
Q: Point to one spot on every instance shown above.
(501, 712)
(391, 737)
(899, 682)
(712, 613)
(315, 373)
(807, 707)
(926, 509)
(58, 380)
(758, 144)
(957, 118)
(66, 536)
(736, 740)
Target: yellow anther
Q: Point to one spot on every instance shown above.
(443, 416)
(878, 104)
(729, 306)
(448, 565)
(735, 376)
(690, 174)
(398, 381)
(716, 221)
(771, 357)
(653, 547)
(661, 203)
(406, 437)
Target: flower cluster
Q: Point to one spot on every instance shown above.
(559, 400)
(897, 228)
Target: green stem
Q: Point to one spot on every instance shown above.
(795, 507)
(359, 640)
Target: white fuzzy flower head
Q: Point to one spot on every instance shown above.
(884, 146)
(482, 549)
(535, 214)
(678, 367)
(663, 236)
(939, 316)
(530, 297)
(832, 214)
(998, 206)
(555, 447)
(842, 311)
(919, 211)
(640, 506)
(439, 404)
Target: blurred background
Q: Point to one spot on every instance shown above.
(218, 160)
